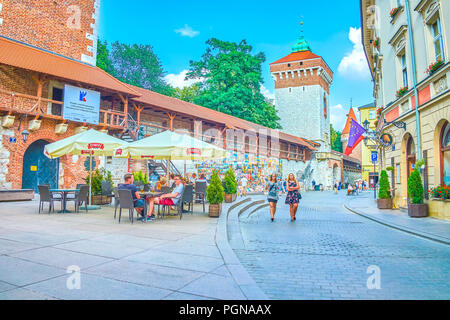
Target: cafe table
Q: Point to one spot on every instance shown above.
(148, 195)
(64, 193)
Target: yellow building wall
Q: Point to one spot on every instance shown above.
(366, 153)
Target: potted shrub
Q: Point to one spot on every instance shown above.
(215, 196)
(98, 176)
(230, 186)
(416, 207)
(384, 194)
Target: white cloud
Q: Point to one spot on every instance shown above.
(338, 117)
(187, 31)
(267, 94)
(178, 80)
(354, 65)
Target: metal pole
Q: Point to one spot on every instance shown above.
(90, 180)
(374, 185)
(413, 62)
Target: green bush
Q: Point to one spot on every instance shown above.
(415, 187)
(98, 176)
(215, 192)
(140, 176)
(230, 182)
(385, 189)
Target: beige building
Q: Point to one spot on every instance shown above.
(403, 39)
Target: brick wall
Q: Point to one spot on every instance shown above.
(68, 28)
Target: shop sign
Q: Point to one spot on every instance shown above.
(386, 140)
(81, 105)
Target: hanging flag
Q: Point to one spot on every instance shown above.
(355, 138)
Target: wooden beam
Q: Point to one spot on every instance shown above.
(171, 117)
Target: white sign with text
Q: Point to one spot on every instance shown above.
(81, 105)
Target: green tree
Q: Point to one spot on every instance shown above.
(188, 94)
(415, 187)
(103, 60)
(385, 189)
(230, 182)
(134, 64)
(335, 137)
(232, 82)
(215, 193)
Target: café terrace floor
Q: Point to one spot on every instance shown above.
(163, 259)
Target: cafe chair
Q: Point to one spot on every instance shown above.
(107, 189)
(116, 201)
(200, 191)
(46, 196)
(188, 197)
(80, 198)
(126, 202)
(179, 206)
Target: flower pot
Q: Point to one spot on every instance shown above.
(215, 210)
(80, 129)
(100, 200)
(34, 125)
(418, 210)
(229, 198)
(234, 197)
(384, 203)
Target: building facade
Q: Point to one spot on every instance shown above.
(407, 45)
(38, 64)
(370, 172)
(302, 89)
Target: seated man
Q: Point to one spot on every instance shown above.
(128, 185)
(170, 199)
(350, 189)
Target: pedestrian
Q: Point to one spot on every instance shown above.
(293, 197)
(274, 187)
(284, 186)
(335, 188)
(244, 182)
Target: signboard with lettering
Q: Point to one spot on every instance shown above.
(81, 105)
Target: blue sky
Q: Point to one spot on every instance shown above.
(178, 30)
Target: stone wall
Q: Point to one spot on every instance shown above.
(69, 28)
(320, 172)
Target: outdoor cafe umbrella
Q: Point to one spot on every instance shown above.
(170, 145)
(91, 143)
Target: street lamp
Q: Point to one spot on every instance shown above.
(25, 135)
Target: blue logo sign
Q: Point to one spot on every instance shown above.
(83, 95)
(12, 140)
(374, 156)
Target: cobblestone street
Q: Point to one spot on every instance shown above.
(326, 253)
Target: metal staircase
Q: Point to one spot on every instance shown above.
(161, 167)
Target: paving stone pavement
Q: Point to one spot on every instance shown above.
(326, 254)
(164, 259)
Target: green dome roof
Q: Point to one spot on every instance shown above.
(301, 45)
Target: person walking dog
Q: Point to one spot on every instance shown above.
(274, 188)
(293, 197)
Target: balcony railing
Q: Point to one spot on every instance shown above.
(13, 102)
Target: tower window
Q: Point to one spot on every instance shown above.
(289, 64)
(301, 63)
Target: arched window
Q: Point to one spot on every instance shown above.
(411, 155)
(445, 154)
(325, 106)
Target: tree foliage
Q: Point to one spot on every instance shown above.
(415, 187)
(187, 93)
(230, 182)
(134, 64)
(215, 193)
(385, 189)
(335, 137)
(232, 82)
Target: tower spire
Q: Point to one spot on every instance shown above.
(302, 44)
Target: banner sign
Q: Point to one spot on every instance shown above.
(193, 151)
(81, 105)
(98, 146)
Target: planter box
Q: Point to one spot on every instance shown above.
(61, 128)
(8, 121)
(16, 195)
(384, 203)
(34, 125)
(215, 210)
(100, 200)
(229, 198)
(80, 129)
(418, 210)
(439, 208)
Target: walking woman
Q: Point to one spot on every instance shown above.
(274, 187)
(293, 197)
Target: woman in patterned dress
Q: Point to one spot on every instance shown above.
(293, 196)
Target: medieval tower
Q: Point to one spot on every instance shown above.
(302, 87)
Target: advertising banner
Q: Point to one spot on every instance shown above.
(81, 105)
